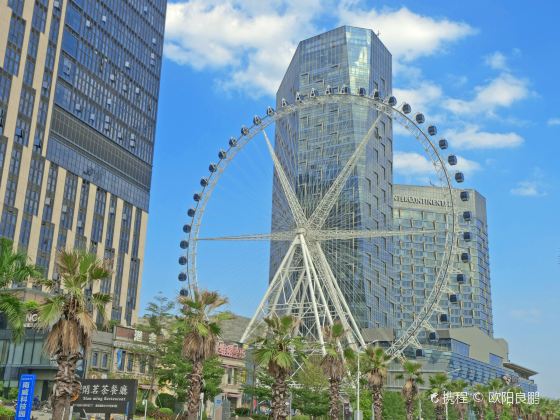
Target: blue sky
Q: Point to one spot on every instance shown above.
(485, 72)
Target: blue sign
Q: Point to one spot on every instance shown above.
(25, 397)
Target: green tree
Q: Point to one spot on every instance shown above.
(280, 350)
(412, 376)
(158, 317)
(14, 268)
(333, 364)
(375, 364)
(439, 385)
(173, 370)
(496, 386)
(67, 314)
(202, 332)
(480, 399)
(311, 395)
(461, 407)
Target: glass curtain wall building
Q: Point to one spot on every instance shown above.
(79, 85)
(315, 144)
(469, 303)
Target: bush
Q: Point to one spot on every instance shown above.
(163, 414)
(300, 417)
(242, 411)
(12, 394)
(166, 401)
(259, 417)
(6, 412)
(140, 408)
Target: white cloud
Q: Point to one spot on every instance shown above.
(249, 43)
(420, 97)
(501, 92)
(406, 34)
(412, 164)
(471, 137)
(533, 187)
(417, 165)
(497, 61)
(553, 121)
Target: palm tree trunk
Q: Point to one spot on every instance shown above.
(440, 412)
(334, 399)
(377, 397)
(280, 397)
(410, 408)
(193, 395)
(66, 385)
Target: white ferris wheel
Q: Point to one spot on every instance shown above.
(304, 282)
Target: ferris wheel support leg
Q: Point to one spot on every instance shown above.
(318, 284)
(271, 288)
(295, 293)
(334, 282)
(333, 294)
(284, 276)
(306, 261)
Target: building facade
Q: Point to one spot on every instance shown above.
(79, 85)
(314, 144)
(417, 257)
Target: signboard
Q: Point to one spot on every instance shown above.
(31, 319)
(231, 350)
(112, 396)
(25, 397)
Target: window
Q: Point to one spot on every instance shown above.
(94, 358)
(104, 360)
(495, 360)
(460, 348)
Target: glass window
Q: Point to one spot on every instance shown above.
(495, 360)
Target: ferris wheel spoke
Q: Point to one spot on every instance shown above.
(289, 192)
(324, 207)
(274, 236)
(325, 235)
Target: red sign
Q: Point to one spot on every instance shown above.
(232, 351)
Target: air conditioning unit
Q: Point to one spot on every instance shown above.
(103, 18)
(47, 201)
(80, 224)
(111, 210)
(127, 64)
(88, 23)
(64, 208)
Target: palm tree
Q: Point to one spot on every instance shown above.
(333, 365)
(480, 393)
(496, 386)
(14, 268)
(413, 377)
(280, 350)
(439, 385)
(67, 314)
(201, 339)
(376, 363)
(458, 387)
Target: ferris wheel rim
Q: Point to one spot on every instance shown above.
(272, 116)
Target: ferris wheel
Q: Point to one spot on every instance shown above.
(303, 280)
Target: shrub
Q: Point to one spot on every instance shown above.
(166, 401)
(163, 414)
(6, 412)
(242, 411)
(299, 417)
(12, 394)
(140, 408)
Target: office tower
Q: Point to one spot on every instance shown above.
(79, 83)
(417, 257)
(315, 143)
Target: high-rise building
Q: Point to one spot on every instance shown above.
(417, 257)
(79, 83)
(314, 144)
